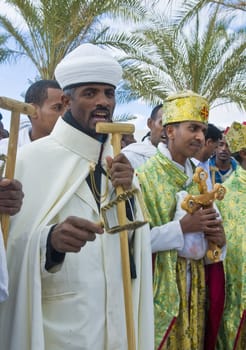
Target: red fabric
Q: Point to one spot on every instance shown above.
(153, 263)
(215, 279)
(243, 320)
(174, 319)
(166, 334)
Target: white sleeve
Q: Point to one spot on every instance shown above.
(135, 159)
(167, 237)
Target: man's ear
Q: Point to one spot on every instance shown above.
(149, 123)
(37, 108)
(65, 101)
(169, 130)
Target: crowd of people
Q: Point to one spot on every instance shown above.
(61, 282)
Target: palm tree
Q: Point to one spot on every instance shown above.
(189, 8)
(204, 58)
(52, 28)
(231, 5)
(5, 53)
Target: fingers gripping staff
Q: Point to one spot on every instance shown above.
(16, 108)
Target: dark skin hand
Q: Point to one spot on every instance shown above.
(74, 232)
(11, 196)
(205, 220)
(121, 171)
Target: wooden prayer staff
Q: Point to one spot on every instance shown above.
(204, 200)
(16, 108)
(117, 129)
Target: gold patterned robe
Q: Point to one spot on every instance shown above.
(233, 212)
(179, 318)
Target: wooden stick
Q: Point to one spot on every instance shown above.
(16, 107)
(117, 129)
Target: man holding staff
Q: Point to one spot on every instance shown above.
(66, 289)
(179, 279)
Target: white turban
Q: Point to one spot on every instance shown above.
(88, 64)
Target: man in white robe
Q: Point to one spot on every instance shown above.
(139, 152)
(66, 289)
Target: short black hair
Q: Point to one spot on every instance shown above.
(213, 133)
(153, 114)
(37, 92)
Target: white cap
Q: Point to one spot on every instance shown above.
(88, 64)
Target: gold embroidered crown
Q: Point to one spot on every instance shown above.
(185, 106)
(236, 136)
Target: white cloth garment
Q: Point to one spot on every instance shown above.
(205, 166)
(88, 64)
(195, 244)
(3, 271)
(81, 305)
(23, 139)
(139, 152)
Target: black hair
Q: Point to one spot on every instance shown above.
(153, 116)
(213, 133)
(145, 136)
(155, 110)
(37, 92)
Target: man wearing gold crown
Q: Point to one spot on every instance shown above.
(66, 283)
(232, 334)
(179, 283)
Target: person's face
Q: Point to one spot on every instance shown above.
(209, 149)
(185, 140)
(49, 112)
(91, 104)
(223, 152)
(157, 132)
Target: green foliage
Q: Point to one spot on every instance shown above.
(158, 55)
(206, 58)
(190, 8)
(5, 53)
(52, 28)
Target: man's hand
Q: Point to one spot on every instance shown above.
(121, 171)
(11, 196)
(205, 220)
(73, 233)
(199, 221)
(216, 234)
